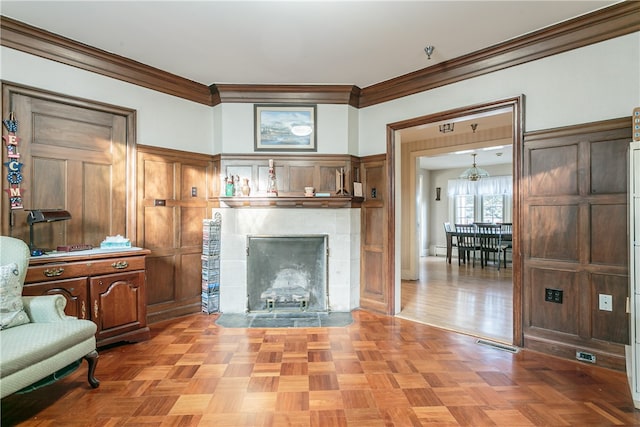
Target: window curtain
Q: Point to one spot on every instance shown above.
(486, 186)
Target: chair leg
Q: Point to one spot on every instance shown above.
(92, 360)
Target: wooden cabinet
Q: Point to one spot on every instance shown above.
(106, 287)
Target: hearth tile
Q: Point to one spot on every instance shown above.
(306, 322)
(335, 319)
(261, 322)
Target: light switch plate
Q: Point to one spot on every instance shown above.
(605, 302)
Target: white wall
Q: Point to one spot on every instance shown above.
(334, 135)
(162, 120)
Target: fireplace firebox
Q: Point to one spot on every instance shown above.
(287, 273)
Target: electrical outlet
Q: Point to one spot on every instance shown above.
(605, 302)
(553, 295)
(586, 357)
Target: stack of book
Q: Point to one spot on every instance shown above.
(211, 264)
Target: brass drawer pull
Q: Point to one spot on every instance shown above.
(54, 272)
(120, 265)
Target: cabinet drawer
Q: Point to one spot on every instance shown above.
(66, 270)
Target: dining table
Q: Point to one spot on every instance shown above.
(505, 236)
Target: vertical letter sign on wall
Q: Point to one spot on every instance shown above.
(14, 174)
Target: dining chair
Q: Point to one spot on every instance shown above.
(448, 232)
(467, 242)
(506, 229)
(490, 237)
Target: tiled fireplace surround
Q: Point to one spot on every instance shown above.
(342, 225)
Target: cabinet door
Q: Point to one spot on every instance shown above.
(74, 290)
(118, 303)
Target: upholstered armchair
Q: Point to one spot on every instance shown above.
(40, 343)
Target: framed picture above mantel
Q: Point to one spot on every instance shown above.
(285, 127)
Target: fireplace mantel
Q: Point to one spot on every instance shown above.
(292, 202)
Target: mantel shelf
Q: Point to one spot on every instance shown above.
(292, 202)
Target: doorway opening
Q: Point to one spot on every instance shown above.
(427, 288)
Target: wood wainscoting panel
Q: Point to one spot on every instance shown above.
(608, 234)
(374, 252)
(562, 317)
(553, 170)
(556, 232)
(606, 176)
(610, 325)
(575, 214)
(159, 221)
(160, 272)
(300, 177)
(191, 226)
(173, 198)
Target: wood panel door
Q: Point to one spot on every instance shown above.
(118, 304)
(173, 192)
(74, 291)
(575, 240)
(74, 157)
(375, 291)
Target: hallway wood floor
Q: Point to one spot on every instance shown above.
(472, 300)
(379, 371)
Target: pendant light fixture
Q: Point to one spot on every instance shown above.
(474, 173)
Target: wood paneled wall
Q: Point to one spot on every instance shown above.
(293, 172)
(376, 292)
(174, 195)
(575, 240)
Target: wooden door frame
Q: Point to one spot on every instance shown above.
(10, 89)
(393, 274)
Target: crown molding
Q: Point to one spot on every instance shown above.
(614, 21)
(320, 94)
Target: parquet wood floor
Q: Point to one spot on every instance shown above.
(472, 300)
(379, 371)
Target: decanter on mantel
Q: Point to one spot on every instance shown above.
(272, 185)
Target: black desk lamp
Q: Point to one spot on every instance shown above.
(43, 215)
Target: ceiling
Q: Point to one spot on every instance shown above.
(352, 42)
(292, 42)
